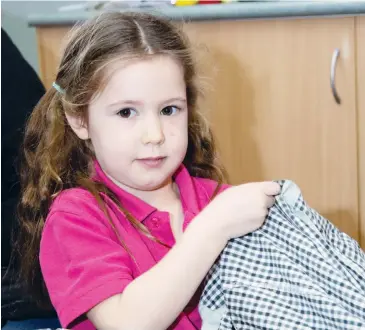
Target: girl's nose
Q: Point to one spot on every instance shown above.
(153, 131)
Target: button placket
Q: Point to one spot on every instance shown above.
(160, 228)
(155, 222)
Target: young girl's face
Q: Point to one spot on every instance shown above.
(138, 125)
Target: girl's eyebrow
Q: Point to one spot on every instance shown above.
(138, 103)
(180, 99)
(129, 102)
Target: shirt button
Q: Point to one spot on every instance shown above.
(155, 222)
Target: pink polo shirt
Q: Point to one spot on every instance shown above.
(83, 262)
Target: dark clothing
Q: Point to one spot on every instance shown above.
(21, 90)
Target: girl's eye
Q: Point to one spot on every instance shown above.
(169, 110)
(127, 113)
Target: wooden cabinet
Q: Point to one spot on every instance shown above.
(268, 97)
(273, 111)
(360, 75)
(50, 41)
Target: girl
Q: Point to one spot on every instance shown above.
(120, 169)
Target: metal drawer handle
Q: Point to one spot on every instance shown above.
(335, 56)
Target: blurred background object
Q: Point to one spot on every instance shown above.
(21, 90)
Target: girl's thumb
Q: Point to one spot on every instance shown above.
(271, 188)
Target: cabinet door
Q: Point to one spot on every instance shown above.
(272, 110)
(360, 70)
(50, 40)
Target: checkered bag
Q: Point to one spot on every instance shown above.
(298, 271)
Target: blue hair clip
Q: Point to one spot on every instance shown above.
(58, 88)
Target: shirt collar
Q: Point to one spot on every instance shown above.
(139, 208)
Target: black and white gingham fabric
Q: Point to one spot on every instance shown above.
(298, 271)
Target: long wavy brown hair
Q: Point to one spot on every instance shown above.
(55, 159)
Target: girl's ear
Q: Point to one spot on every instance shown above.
(79, 126)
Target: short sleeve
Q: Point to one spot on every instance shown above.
(81, 262)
